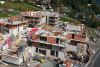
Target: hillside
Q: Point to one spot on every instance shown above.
(79, 5)
(15, 8)
(97, 1)
(21, 6)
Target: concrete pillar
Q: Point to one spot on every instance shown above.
(48, 52)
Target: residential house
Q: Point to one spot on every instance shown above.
(13, 25)
(47, 41)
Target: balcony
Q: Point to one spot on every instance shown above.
(47, 40)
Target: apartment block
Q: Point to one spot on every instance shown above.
(53, 41)
(34, 17)
(76, 34)
(52, 18)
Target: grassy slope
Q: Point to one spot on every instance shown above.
(6, 14)
(91, 33)
(22, 6)
(68, 19)
(19, 6)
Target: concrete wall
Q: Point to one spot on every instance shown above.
(61, 55)
(47, 52)
(71, 48)
(21, 28)
(34, 49)
(13, 31)
(28, 51)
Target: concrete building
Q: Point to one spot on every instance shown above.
(47, 42)
(52, 18)
(53, 40)
(12, 25)
(76, 34)
(77, 39)
(34, 17)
